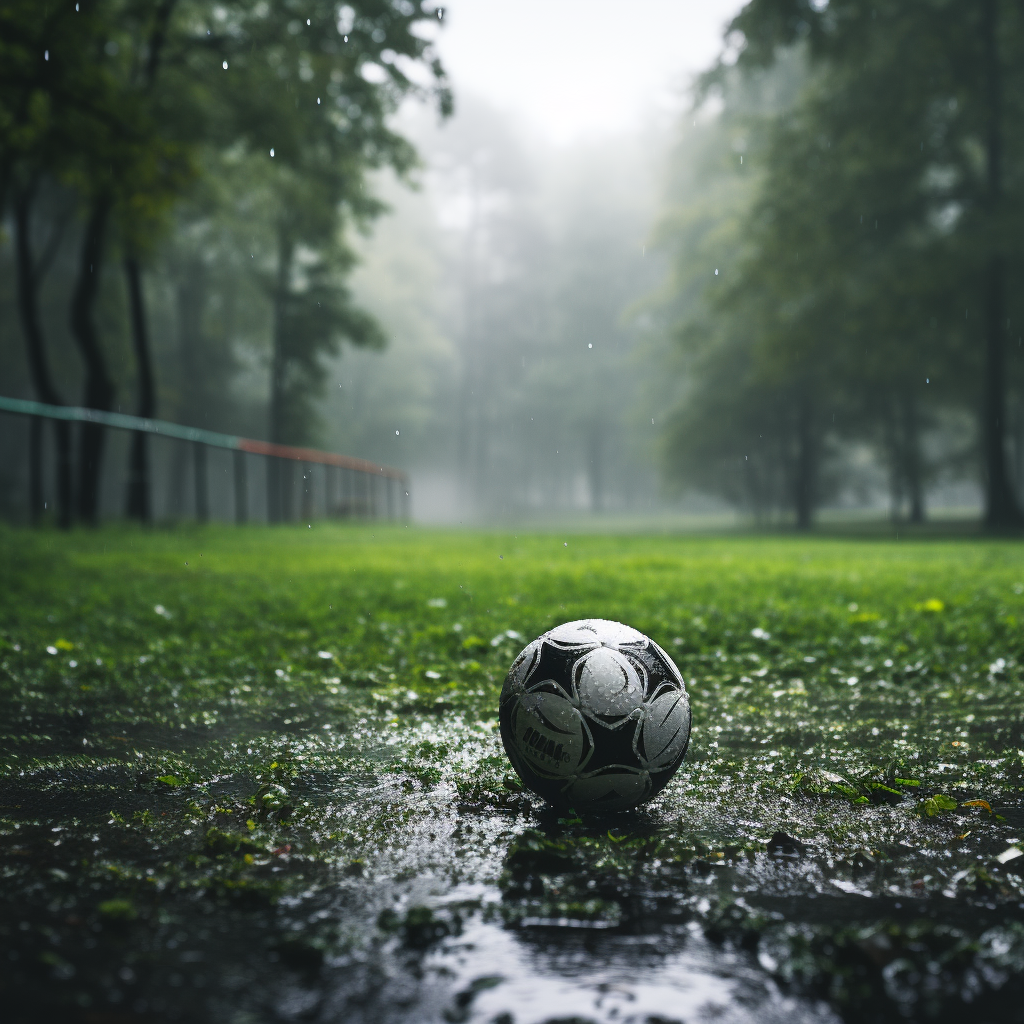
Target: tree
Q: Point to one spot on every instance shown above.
(31, 271)
(753, 419)
(76, 106)
(36, 94)
(915, 101)
(304, 102)
(146, 94)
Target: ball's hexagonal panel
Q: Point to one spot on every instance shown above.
(550, 734)
(591, 632)
(608, 685)
(522, 668)
(666, 729)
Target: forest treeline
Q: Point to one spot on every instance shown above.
(819, 304)
(846, 231)
(184, 139)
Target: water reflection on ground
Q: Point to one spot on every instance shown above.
(541, 975)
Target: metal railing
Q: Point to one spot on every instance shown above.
(351, 487)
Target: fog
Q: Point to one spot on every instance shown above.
(522, 374)
(511, 287)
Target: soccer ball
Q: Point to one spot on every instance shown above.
(594, 715)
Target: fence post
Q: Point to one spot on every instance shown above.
(241, 488)
(287, 489)
(202, 495)
(65, 498)
(273, 492)
(138, 504)
(35, 469)
(307, 492)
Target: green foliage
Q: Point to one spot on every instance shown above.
(118, 910)
(937, 805)
(244, 131)
(863, 301)
(302, 103)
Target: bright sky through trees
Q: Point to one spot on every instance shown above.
(579, 68)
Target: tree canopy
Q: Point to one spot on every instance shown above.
(872, 289)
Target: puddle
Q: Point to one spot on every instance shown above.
(543, 976)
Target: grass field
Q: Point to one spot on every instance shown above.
(253, 775)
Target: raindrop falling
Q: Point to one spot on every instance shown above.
(716, 271)
(271, 151)
(396, 433)
(224, 65)
(46, 54)
(590, 344)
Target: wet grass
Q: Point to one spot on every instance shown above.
(254, 775)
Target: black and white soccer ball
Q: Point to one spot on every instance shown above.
(594, 715)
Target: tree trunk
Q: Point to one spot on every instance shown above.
(805, 474)
(276, 482)
(138, 504)
(595, 453)
(913, 470)
(99, 387)
(190, 298)
(1017, 435)
(28, 280)
(894, 450)
(1001, 508)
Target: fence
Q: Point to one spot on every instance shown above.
(228, 473)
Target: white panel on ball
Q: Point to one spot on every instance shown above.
(608, 684)
(550, 734)
(666, 729)
(524, 665)
(585, 632)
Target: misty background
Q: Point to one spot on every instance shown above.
(584, 296)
